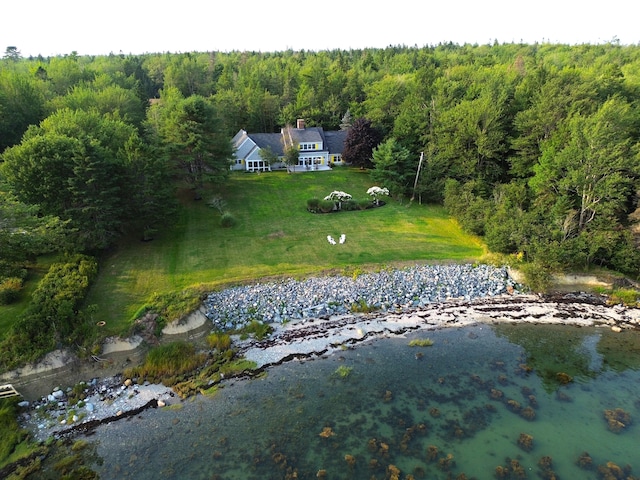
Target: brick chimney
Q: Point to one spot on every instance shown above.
(300, 124)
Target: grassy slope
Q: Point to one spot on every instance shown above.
(275, 235)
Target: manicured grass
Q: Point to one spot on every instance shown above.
(274, 236)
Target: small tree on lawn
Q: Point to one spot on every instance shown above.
(291, 156)
(376, 193)
(268, 156)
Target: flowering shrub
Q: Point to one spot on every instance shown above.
(338, 200)
(338, 196)
(377, 192)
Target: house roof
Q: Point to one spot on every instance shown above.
(242, 144)
(245, 143)
(271, 140)
(335, 141)
(309, 134)
(239, 137)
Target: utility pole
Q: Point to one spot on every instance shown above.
(415, 183)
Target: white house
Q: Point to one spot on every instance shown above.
(319, 150)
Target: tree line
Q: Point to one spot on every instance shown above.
(533, 146)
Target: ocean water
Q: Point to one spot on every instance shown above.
(484, 402)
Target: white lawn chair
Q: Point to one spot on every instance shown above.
(331, 240)
(343, 237)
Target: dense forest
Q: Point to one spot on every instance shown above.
(534, 147)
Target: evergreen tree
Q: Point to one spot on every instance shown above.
(194, 139)
(346, 122)
(394, 167)
(12, 53)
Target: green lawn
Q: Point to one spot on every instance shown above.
(274, 236)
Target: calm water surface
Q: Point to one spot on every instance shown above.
(456, 409)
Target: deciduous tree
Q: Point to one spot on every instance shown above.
(72, 166)
(22, 103)
(469, 138)
(593, 171)
(291, 157)
(25, 233)
(359, 143)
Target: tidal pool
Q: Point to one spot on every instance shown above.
(484, 402)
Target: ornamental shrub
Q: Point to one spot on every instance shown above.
(364, 204)
(377, 192)
(349, 205)
(313, 204)
(10, 290)
(338, 196)
(326, 206)
(227, 220)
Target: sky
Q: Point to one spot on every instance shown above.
(97, 27)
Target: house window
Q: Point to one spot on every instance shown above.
(257, 165)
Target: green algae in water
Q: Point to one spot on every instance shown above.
(459, 409)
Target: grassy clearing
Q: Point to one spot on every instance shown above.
(274, 235)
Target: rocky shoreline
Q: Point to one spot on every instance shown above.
(414, 299)
(106, 400)
(316, 337)
(387, 290)
(115, 398)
